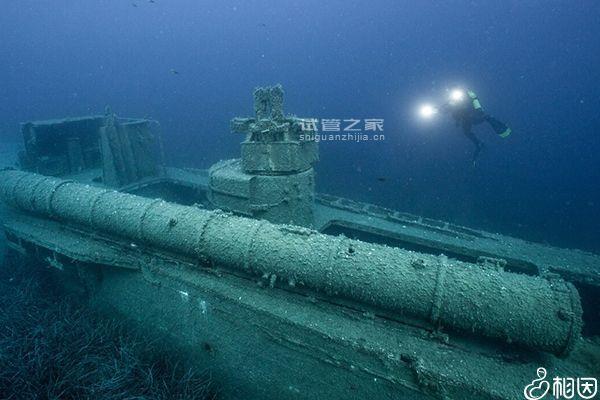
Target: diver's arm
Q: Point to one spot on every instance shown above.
(445, 108)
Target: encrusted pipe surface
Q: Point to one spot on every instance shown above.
(530, 311)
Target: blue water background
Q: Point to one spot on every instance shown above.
(534, 64)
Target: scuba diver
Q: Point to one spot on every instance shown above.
(465, 108)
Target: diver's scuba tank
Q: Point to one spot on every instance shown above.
(474, 100)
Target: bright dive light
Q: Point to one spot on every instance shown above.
(427, 111)
(457, 95)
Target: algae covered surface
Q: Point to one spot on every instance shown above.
(54, 347)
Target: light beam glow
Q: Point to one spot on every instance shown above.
(427, 111)
(457, 95)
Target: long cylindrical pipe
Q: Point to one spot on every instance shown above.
(530, 311)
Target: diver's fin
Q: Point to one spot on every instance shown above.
(499, 127)
(505, 133)
(477, 152)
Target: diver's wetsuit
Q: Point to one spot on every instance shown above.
(466, 115)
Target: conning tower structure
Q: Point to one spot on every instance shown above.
(274, 179)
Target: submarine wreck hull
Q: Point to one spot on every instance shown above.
(263, 343)
(273, 317)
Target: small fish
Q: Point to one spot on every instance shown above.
(382, 179)
(134, 5)
(151, 1)
(174, 71)
(262, 25)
